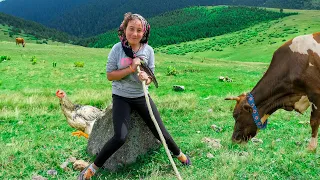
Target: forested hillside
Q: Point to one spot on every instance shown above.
(41, 11)
(18, 25)
(193, 23)
(86, 18)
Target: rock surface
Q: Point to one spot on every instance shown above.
(140, 140)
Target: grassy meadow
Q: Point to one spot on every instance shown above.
(258, 42)
(35, 136)
(5, 36)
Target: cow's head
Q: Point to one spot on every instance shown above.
(245, 127)
(23, 44)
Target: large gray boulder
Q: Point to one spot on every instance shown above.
(139, 141)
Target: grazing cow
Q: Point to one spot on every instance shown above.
(292, 82)
(20, 41)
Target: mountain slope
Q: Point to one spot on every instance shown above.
(101, 15)
(18, 25)
(87, 18)
(193, 23)
(254, 44)
(41, 11)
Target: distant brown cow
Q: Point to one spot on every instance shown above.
(20, 41)
(292, 82)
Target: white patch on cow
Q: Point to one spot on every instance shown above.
(302, 104)
(302, 44)
(310, 64)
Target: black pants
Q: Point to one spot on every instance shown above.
(121, 116)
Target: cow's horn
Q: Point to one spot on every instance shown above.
(232, 98)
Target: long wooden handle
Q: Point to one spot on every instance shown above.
(158, 128)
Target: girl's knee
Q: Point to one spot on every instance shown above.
(120, 139)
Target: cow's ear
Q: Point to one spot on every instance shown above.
(247, 108)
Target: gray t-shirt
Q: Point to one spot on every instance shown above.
(129, 86)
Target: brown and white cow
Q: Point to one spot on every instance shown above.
(20, 41)
(292, 82)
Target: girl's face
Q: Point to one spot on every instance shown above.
(134, 32)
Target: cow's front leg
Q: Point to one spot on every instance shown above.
(314, 123)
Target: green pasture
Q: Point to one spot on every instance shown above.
(5, 36)
(258, 42)
(35, 136)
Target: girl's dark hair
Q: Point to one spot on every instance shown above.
(128, 17)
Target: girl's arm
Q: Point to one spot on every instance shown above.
(121, 73)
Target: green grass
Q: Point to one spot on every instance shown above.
(4, 36)
(35, 136)
(259, 41)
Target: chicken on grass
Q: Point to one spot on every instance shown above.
(80, 117)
